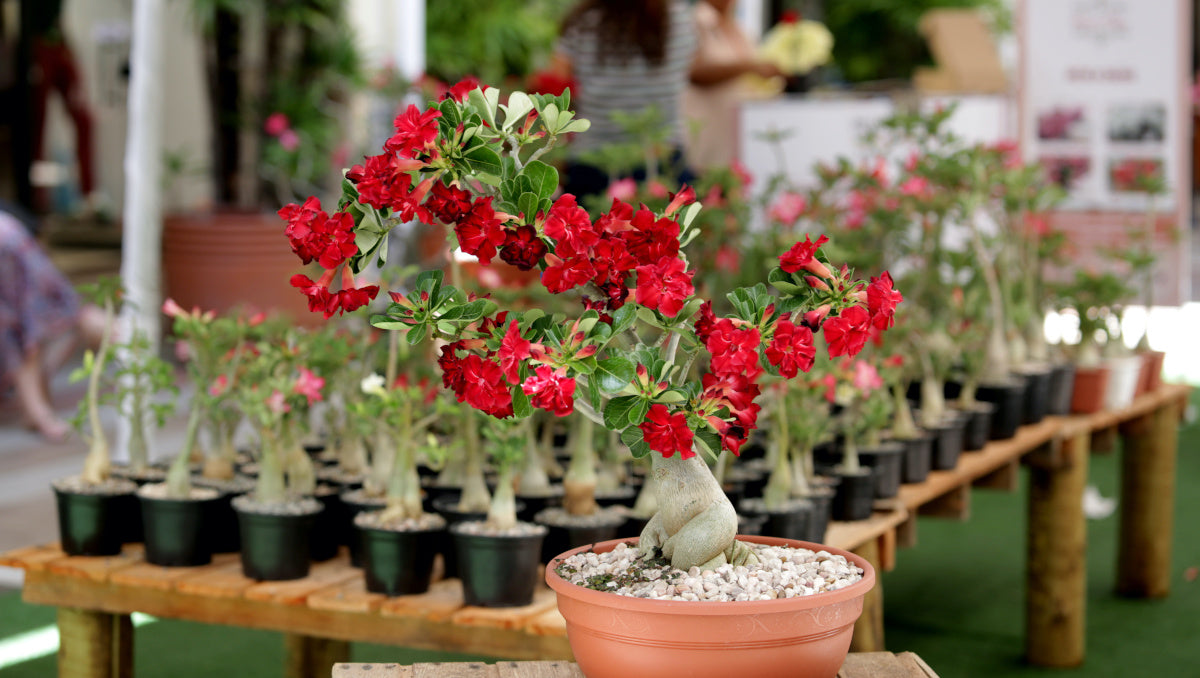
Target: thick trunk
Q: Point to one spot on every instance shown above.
(933, 401)
(502, 511)
(850, 456)
(139, 454)
(270, 488)
(534, 481)
(903, 425)
(97, 465)
(801, 470)
(179, 476)
(475, 495)
(695, 525)
(579, 485)
(779, 485)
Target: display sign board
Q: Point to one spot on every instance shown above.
(1105, 95)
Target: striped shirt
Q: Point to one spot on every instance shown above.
(629, 85)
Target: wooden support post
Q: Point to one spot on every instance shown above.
(1056, 564)
(954, 504)
(906, 532)
(1004, 478)
(94, 644)
(311, 657)
(1148, 503)
(868, 630)
(1104, 440)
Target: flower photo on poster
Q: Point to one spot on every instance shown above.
(1140, 122)
(1066, 170)
(1062, 123)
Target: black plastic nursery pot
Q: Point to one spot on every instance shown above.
(1008, 397)
(917, 458)
(855, 495)
(179, 532)
(979, 425)
(446, 507)
(275, 546)
(622, 496)
(330, 526)
(886, 462)
(399, 562)
(536, 503)
(947, 442)
(633, 526)
(498, 570)
(591, 529)
(1062, 386)
(222, 519)
(94, 524)
(353, 537)
(821, 499)
(793, 521)
(1037, 394)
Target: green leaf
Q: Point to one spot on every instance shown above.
(521, 405)
(416, 335)
(543, 179)
(527, 204)
(616, 412)
(640, 449)
(615, 373)
(637, 413)
(580, 125)
(689, 213)
(390, 324)
(519, 106)
(671, 396)
(708, 442)
(484, 102)
(550, 117)
(783, 281)
(593, 393)
(484, 159)
(624, 317)
(450, 113)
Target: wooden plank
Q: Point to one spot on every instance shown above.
(1143, 404)
(1148, 503)
(443, 599)
(216, 581)
(507, 617)
(32, 557)
(350, 596)
(96, 568)
(159, 577)
(849, 535)
(884, 665)
(1005, 478)
(455, 670)
(1056, 560)
(1104, 440)
(371, 671)
(887, 550)
(548, 623)
(296, 591)
(311, 657)
(560, 669)
(954, 504)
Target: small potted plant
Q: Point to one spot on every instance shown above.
(644, 357)
(1092, 296)
(96, 511)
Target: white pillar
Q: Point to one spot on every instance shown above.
(409, 37)
(141, 242)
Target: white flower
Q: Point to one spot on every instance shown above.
(797, 48)
(372, 384)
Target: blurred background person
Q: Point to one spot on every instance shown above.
(626, 57)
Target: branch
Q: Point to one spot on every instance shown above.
(585, 408)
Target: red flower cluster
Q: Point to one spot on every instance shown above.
(791, 348)
(329, 240)
(667, 433)
(622, 241)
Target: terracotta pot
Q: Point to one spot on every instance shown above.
(616, 636)
(1090, 385)
(1152, 364)
(224, 260)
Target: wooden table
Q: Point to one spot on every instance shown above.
(319, 615)
(858, 665)
(1057, 451)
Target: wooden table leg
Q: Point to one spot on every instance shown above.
(868, 630)
(1056, 565)
(94, 644)
(310, 657)
(1148, 503)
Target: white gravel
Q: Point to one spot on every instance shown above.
(782, 572)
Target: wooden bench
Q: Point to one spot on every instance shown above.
(319, 614)
(858, 665)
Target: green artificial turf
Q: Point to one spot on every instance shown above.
(956, 599)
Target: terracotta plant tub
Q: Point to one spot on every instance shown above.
(1091, 383)
(617, 636)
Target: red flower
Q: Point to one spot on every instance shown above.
(734, 349)
(551, 390)
(686, 196)
(561, 275)
(479, 231)
(667, 433)
(652, 240)
(514, 349)
(484, 388)
(451, 364)
(415, 130)
(664, 286)
(791, 349)
(803, 255)
(522, 247)
(448, 203)
(569, 224)
(705, 321)
(882, 298)
(848, 332)
(320, 298)
(462, 88)
(383, 181)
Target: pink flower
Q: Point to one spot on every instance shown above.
(623, 189)
(309, 385)
(916, 187)
(289, 140)
(276, 124)
(219, 386)
(866, 377)
(173, 309)
(277, 403)
(788, 208)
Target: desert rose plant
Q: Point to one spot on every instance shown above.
(643, 356)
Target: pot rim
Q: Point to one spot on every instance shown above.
(713, 608)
